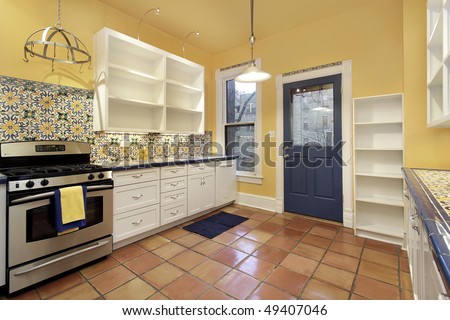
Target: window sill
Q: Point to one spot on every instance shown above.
(249, 179)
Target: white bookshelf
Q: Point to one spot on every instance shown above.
(438, 63)
(141, 88)
(378, 159)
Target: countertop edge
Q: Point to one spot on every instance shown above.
(119, 166)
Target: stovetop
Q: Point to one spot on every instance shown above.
(34, 172)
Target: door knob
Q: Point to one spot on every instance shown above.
(286, 156)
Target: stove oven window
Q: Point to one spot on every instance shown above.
(41, 220)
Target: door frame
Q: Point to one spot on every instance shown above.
(345, 69)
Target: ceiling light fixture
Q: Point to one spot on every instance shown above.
(66, 48)
(157, 13)
(252, 73)
(196, 33)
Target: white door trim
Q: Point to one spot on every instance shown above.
(345, 69)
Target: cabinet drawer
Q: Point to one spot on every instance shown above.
(135, 196)
(172, 197)
(134, 222)
(200, 167)
(172, 213)
(173, 184)
(126, 177)
(173, 171)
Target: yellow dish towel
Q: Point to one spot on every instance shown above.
(72, 204)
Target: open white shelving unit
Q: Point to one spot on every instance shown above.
(438, 62)
(141, 88)
(378, 159)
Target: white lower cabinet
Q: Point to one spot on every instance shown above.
(173, 193)
(426, 279)
(201, 188)
(136, 202)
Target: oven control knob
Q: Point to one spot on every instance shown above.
(29, 184)
(101, 175)
(44, 182)
(91, 176)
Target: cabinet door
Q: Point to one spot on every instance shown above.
(208, 191)
(195, 194)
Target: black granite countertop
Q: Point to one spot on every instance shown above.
(154, 163)
(430, 190)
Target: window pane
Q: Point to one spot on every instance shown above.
(241, 102)
(312, 115)
(240, 140)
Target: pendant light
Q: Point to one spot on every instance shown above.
(252, 73)
(57, 45)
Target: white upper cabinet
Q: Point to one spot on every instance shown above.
(438, 63)
(141, 88)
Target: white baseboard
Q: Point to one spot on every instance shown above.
(260, 202)
(348, 218)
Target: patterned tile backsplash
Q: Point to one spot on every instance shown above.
(31, 110)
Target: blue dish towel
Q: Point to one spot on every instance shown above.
(60, 227)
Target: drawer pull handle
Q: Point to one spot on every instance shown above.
(174, 213)
(174, 171)
(174, 197)
(137, 176)
(137, 197)
(137, 222)
(174, 184)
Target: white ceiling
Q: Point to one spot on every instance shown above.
(225, 24)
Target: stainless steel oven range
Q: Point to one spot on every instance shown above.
(35, 170)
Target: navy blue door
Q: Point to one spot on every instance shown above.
(312, 148)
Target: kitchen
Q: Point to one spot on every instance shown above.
(383, 40)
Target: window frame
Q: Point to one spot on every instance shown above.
(222, 76)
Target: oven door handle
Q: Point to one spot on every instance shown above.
(42, 265)
(51, 193)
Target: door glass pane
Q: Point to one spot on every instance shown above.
(312, 116)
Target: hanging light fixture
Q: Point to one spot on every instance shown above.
(57, 45)
(194, 33)
(252, 73)
(157, 12)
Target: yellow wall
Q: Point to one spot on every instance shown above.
(385, 40)
(424, 147)
(370, 36)
(18, 19)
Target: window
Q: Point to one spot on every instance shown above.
(238, 122)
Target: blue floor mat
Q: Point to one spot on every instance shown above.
(215, 225)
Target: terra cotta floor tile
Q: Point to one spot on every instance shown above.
(385, 259)
(83, 291)
(270, 254)
(111, 279)
(187, 259)
(309, 251)
(340, 260)
(287, 280)
(153, 242)
(379, 272)
(210, 271)
(268, 292)
(143, 263)
(282, 242)
(374, 289)
(229, 256)
(162, 275)
(128, 252)
(135, 289)
(246, 245)
(99, 266)
(318, 290)
(299, 264)
(346, 248)
(337, 277)
(214, 294)
(60, 284)
(185, 287)
(257, 268)
(169, 250)
(208, 247)
(237, 284)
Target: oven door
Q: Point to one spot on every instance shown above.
(31, 227)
